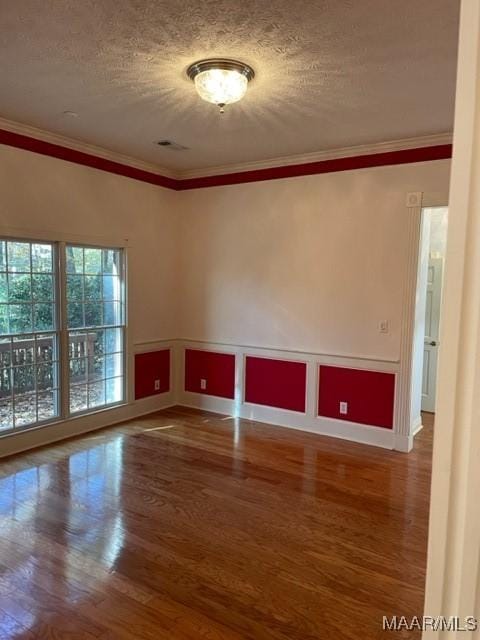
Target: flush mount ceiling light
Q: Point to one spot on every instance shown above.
(220, 80)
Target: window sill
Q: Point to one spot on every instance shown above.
(59, 420)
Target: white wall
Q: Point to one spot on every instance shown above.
(311, 263)
(38, 193)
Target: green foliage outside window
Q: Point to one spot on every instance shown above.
(90, 278)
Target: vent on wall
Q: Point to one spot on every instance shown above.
(170, 144)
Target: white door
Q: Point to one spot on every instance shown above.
(432, 323)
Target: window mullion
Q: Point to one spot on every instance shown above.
(61, 308)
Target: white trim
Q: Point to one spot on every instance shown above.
(405, 422)
(417, 426)
(129, 351)
(20, 233)
(403, 409)
(453, 566)
(385, 364)
(63, 331)
(403, 442)
(83, 147)
(152, 345)
(364, 434)
(433, 199)
(317, 156)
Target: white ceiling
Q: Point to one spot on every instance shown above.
(329, 74)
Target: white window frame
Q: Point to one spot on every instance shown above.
(59, 242)
(65, 330)
(55, 332)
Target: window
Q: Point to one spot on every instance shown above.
(28, 334)
(90, 322)
(95, 327)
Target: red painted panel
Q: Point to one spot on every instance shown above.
(276, 383)
(217, 369)
(149, 367)
(369, 394)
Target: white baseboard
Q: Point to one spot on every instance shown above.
(47, 434)
(417, 427)
(364, 434)
(403, 443)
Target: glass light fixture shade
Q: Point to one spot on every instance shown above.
(221, 86)
(220, 81)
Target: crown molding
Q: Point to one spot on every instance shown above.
(420, 149)
(83, 147)
(403, 144)
(332, 165)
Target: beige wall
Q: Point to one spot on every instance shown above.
(38, 193)
(311, 263)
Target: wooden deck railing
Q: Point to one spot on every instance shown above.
(23, 360)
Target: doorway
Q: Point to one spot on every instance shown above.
(433, 239)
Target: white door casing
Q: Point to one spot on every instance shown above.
(432, 330)
(453, 567)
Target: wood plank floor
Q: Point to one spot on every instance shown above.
(185, 525)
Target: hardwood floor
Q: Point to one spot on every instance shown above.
(185, 525)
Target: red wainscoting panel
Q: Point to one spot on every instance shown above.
(217, 369)
(276, 383)
(369, 394)
(149, 367)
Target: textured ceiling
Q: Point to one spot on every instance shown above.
(329, 73)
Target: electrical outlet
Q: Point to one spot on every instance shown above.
(343, 408)
(383, 326)
(203, 384)
(157, 385)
